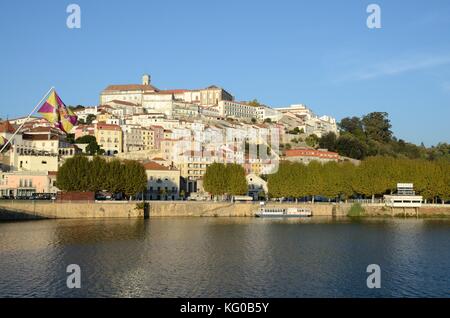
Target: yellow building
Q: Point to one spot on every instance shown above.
(148, 138)
(103, 116)
(109, 138)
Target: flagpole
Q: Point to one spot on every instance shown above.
(32, 112)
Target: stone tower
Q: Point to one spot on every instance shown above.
(145, 79)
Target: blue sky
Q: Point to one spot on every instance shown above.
(319, 53)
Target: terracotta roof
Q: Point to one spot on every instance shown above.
(151, 165)
(123, 102)
(130, 87)
(173, 91)
(6, 127)
(310, 153)
(158, 159)
(42, 129)
(108, 127)
(40, 137)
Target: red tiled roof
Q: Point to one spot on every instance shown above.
(151, 165)
(40, 137)
(123, 102)
(108, 127)
(6, 127)
(130, 87)
(173, 91)
(310, 153)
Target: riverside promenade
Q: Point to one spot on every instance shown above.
(18, 210)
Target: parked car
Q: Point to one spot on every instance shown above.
(43, 196)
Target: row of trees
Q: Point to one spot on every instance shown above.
(81, 174)
(375, 176)
(371, 135)
(221, 179)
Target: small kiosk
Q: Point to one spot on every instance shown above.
(404, 198)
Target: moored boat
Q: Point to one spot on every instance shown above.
(283, 212)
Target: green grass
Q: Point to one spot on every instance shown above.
(356, 210)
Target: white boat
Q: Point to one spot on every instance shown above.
(283, 212)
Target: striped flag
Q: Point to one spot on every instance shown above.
(55, 111)
(3, 141)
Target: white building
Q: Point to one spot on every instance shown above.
(163, 183)
(308, 121)
(130, 93)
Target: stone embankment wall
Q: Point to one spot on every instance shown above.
(192, 208)
(73, 210)
(380, 210)
(45, 209)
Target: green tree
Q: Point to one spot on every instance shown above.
(353, 126)
(90, 118)
(97, 174)
(70, 138)
(350, 146)
(254, 102)
(115, 176)
(214, 179)
(314, 181)
(377, 126)
(92, 148)
(312, 140)
(328, 141)
(73, 175)
(235, 179)
(135, 178)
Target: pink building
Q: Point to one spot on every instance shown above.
(25, 183)
(157, 136)
(84, 130)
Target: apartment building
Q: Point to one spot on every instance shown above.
(109, 138)
(163, 183)
(132, 138)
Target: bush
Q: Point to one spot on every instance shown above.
(356, 210)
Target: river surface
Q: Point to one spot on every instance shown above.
(225, 257)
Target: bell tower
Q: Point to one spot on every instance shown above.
(145, 79)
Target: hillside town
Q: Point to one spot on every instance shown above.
(176, 134)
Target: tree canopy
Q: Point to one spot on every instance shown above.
(375, 176)
(371, 135)
(92, 148)
(221, 179)
(81, 174)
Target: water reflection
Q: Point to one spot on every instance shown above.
(225, 257)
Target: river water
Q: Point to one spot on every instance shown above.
(225, 257)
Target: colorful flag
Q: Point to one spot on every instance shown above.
(3, 141)
(55, 111)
